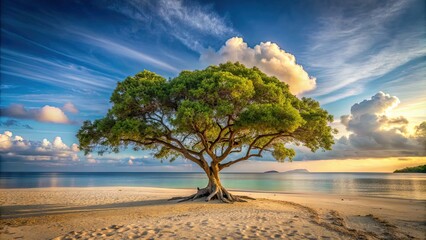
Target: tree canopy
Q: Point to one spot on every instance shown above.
(417, 169)
(207, 115)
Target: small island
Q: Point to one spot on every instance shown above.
(272, 171)
(418, 169)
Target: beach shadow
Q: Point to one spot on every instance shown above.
(16, 211)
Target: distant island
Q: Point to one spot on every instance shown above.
(298, 171)
(272, 171)
(290, 171)
(418, 169)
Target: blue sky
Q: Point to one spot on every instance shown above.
(60, 61)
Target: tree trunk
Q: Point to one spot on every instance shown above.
(214, 190)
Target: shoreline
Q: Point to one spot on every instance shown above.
(229, 189)
(126, 212)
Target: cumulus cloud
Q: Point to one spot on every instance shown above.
(5, 140)
(371, 127)
(379, 104)
(52, 114)
(373, 133)
(75, 148)
(17, 147)
(268, 57)
(44, 114)
(69, 107)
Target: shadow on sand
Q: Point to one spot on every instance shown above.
(16, 211)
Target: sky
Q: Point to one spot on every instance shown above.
(364, 61)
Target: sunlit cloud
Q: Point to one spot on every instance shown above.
(268, 57)
(44, 114)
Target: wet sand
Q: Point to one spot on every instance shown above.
(146, 213)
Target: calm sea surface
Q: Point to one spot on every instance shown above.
(390, 185)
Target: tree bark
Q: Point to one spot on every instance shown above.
(214, 189)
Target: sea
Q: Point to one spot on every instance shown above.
(384, 185)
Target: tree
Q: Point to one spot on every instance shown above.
(209, 116)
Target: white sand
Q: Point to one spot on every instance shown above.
(141, 212)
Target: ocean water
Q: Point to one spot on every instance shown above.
(388, 185)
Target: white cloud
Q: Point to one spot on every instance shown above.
(372, 133)
(58, 144)
(69, 107)
(5, 140)
(44, 114)
(268, 57)
(371, 127)
(18, 148)
(379, 104)
(18, 138)
(75, 148)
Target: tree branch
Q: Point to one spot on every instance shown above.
(273, 136)
(199, 161)
(228, 149)
(222, 130)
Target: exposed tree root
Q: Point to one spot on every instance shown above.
(215, 192)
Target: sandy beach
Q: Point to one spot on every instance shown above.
(142, 212)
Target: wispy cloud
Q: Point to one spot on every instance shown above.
(13, 123)
(193, 15)
(357, 43)
(124, 51)
(65, 55)
(54, 72)
(186, 21)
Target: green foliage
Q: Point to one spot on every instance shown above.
(267, 117)
(208, 113)
(280, 153)
(418, 169)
